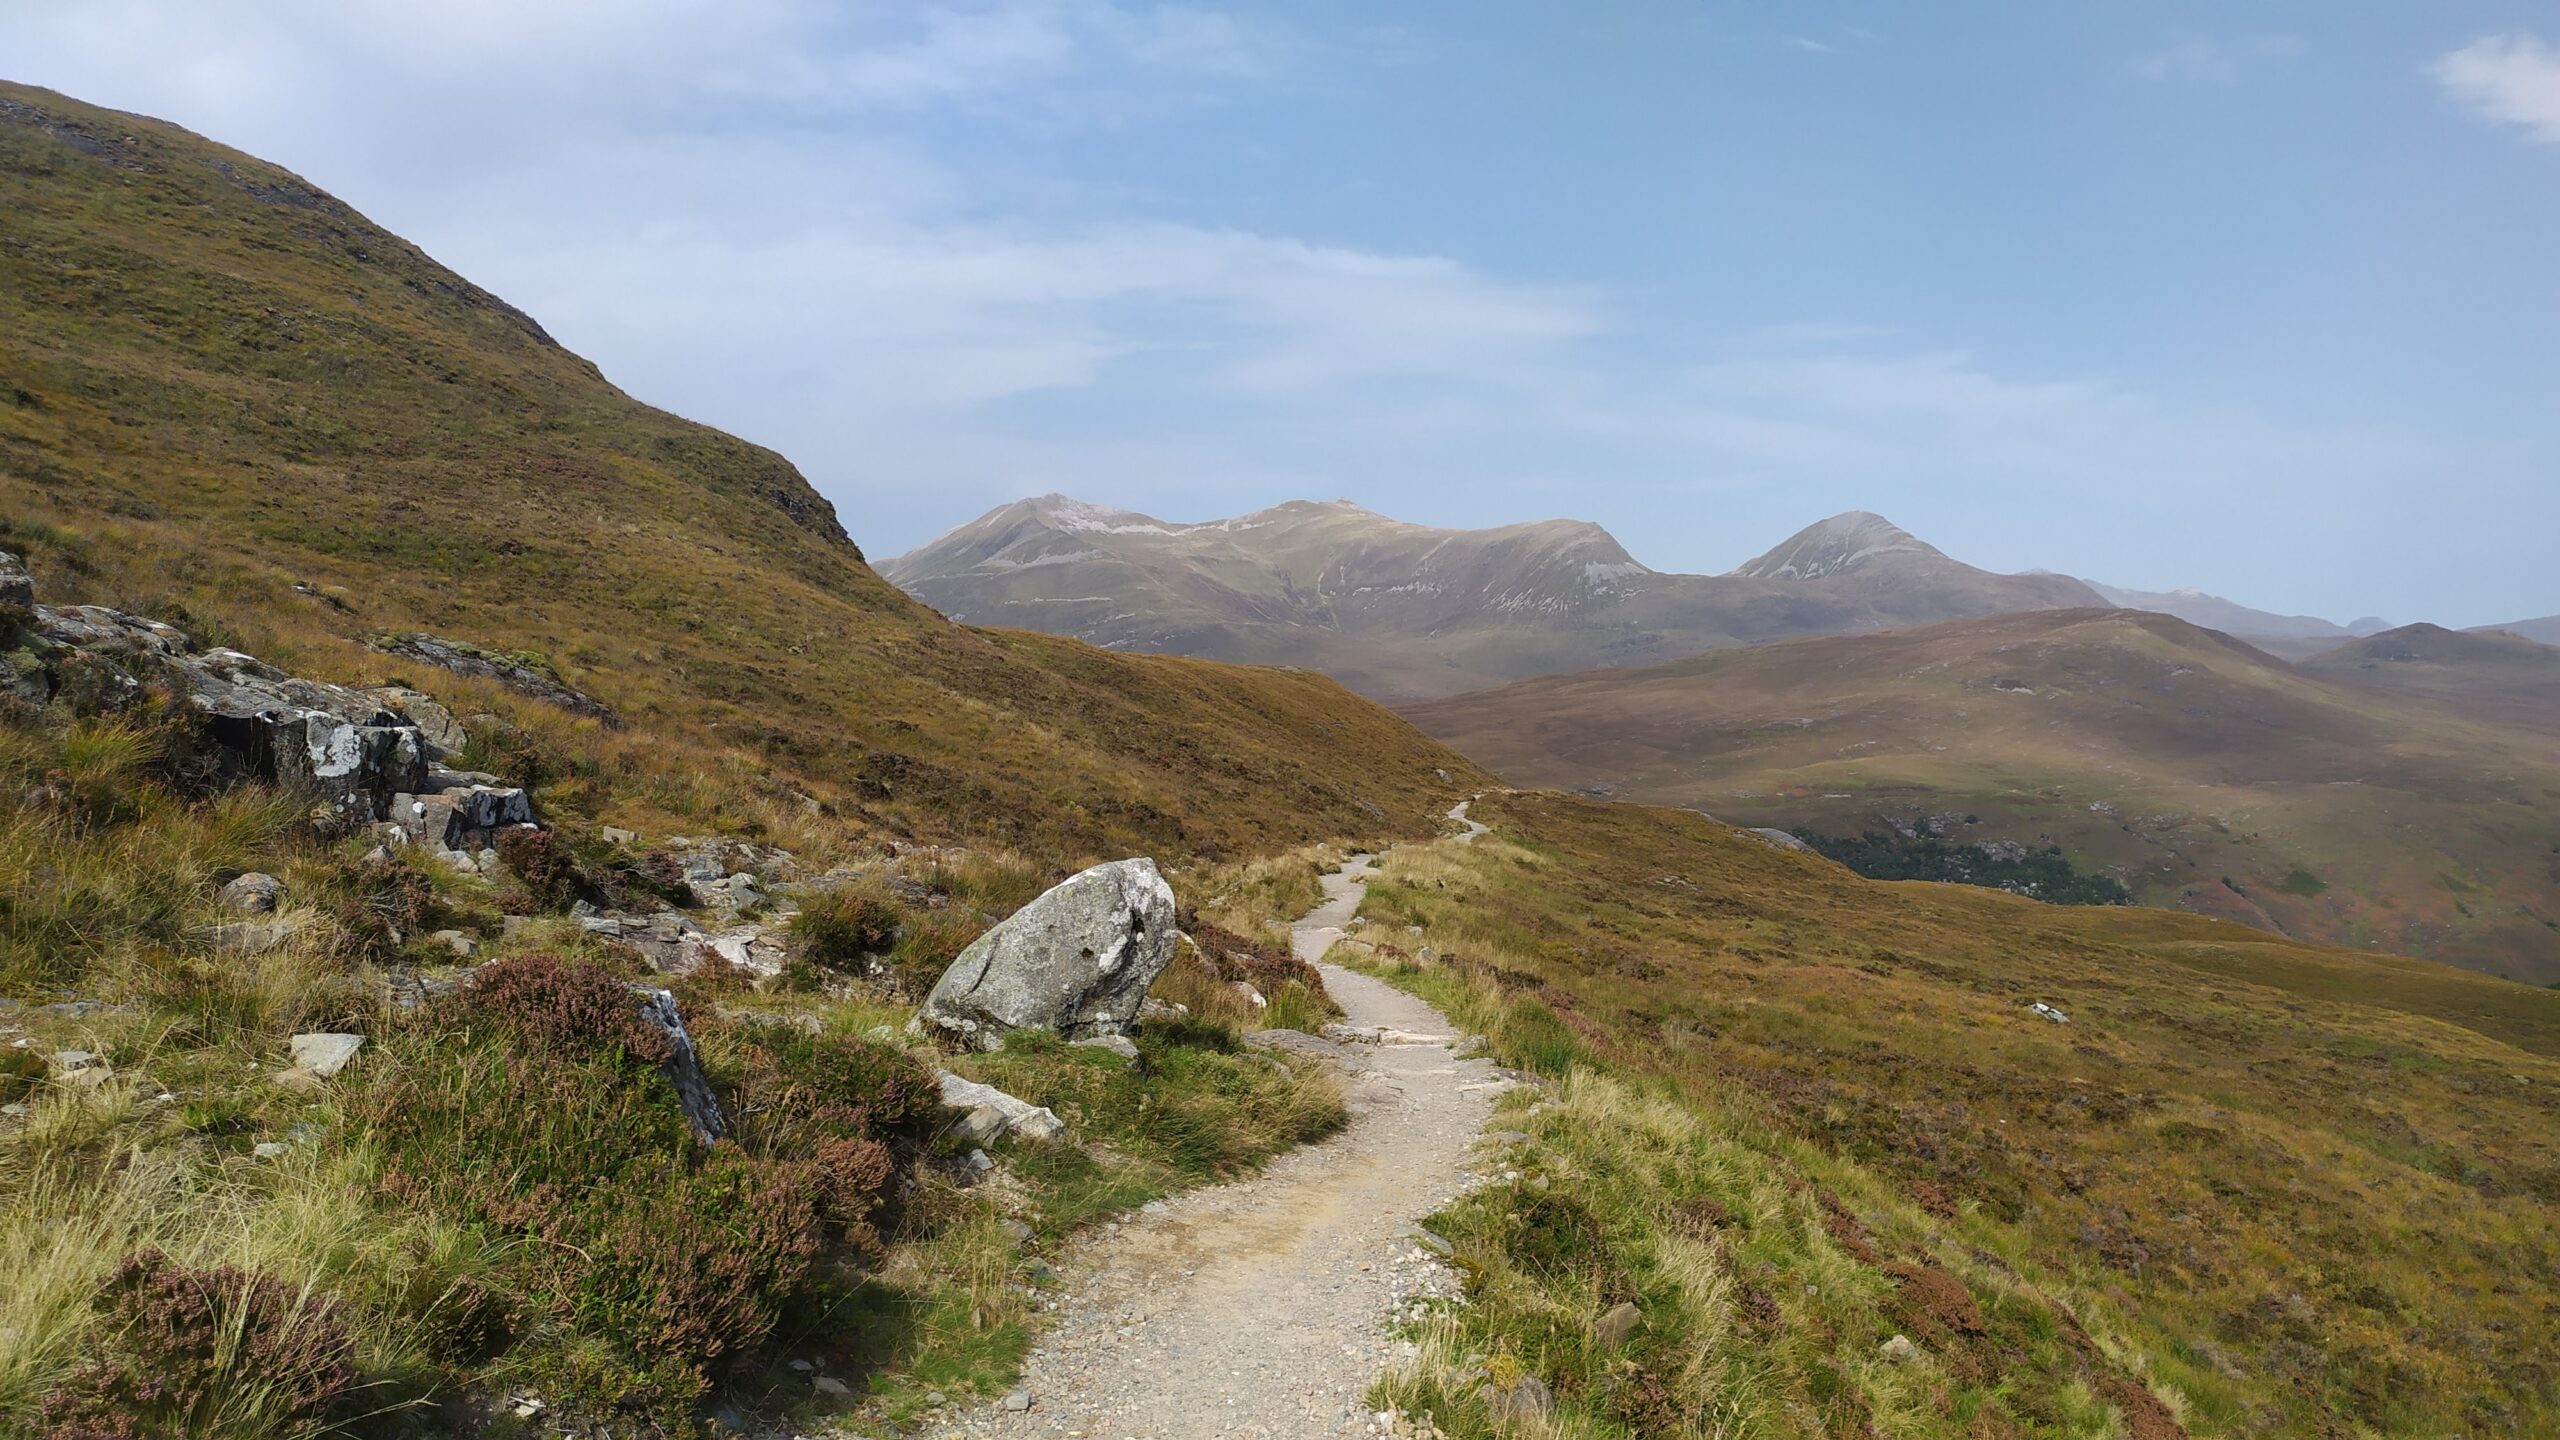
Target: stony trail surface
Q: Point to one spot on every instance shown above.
(1260, 1310)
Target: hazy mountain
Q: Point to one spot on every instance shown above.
(1404, 611)
(2231, 617)
(2546, 629)
(2496, 674)
(2410, 805)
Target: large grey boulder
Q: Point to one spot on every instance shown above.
(1076, 961)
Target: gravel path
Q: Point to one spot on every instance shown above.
(1261, 1309)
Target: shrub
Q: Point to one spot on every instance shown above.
(203, 1352)
(545, 864)
(547, 1004)
(838, 929)
(380, 901)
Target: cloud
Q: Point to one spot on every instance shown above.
(2198, 61)
(2506, 79)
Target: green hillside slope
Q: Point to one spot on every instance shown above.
(2198, 772)
(226, 394)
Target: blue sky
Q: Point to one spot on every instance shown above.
(2259, 297)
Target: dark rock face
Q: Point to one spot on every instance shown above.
(1077, 961)
(466, 659)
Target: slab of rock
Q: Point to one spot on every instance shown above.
(444, 735)
(252, 894)
(1020, 1117)
(1776, 839)
(463, 658)
(684, 1070)
(17, 587)
(1076, 961)
(325, 1053)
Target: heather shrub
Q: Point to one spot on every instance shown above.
(545, 865)
(650, 1264)
(547, 1004)
(205, 1351)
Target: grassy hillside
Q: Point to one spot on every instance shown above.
(1403, 612)
(2494, 674)
(2199, 772)
(229, 400)
(2250, 1188)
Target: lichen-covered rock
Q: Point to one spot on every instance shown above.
(444, 735)
(255, 893)
(993, 1113)
(17, 587)
(1077, 961)
(684, 1069)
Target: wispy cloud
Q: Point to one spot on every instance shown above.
(2506, 79)
(2202, 61)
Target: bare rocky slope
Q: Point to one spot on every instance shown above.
(1405, 612)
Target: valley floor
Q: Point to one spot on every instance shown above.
(1264, 1309)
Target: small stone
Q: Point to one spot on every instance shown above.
(1612, 1329)
(1899, 1349)
(803, 1366)
(1016, 1400)
(1120, 1045)
(253, 894)
(325, 1053)
(457, 942)
(72, 1062)
(831, 1386)
(1152, 1207)
(980, 1161)
(614, 835)
(298, 1080)
(269, 1149)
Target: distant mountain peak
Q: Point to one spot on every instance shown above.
(1833, 546)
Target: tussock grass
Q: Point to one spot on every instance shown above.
(1800, 1113)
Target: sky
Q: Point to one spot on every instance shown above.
(2261, 296)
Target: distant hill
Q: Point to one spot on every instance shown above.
(2233, 618)
(2494, 674)
(2546, 629)
(228, 399)
(1402, 611)
(2196, 770)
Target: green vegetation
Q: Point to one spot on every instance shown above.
(247, 403)
(2251, 1187)
(2039, 875)
(2151, 751)
(2299, 881)
(501, 1196)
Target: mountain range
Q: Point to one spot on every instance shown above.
(2401, 793)
(1800, 1152)
(1406, 612)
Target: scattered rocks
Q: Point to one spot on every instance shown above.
(1077, 960)
(325, 1053)
(1010, 1116)
(252, 894)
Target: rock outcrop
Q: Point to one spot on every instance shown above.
(518, 673)
(1077, 961)
(366, 755)
(684, 1069)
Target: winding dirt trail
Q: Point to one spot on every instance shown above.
(1261, 1309)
